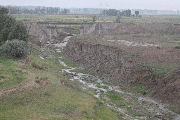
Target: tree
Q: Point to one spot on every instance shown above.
(18, 32)
(10, 28)
(6, 23)
(65, 11)
(137, 13)
(110, 12)
(94, 19)
(118, 19)
(126, 13)
(4, 10)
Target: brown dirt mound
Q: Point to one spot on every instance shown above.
(168, 88)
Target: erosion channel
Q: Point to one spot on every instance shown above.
(130, 106)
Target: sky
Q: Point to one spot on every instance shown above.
(117, 4)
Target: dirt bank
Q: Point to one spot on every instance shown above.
(42, 34)
(168, 88)
(109, 62)
(118, 67)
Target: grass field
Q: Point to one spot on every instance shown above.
(54, 18)
(89, 18)
(54, 101)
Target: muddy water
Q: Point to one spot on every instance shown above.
(102, 89)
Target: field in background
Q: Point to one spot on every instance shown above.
(89, 18)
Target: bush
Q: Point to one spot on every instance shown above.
(15, 49)
(177, 47)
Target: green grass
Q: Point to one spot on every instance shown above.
(51, 62)
(88, 18)
(53, 101)
(161, 70)
(175, 109)
(177, 47)
(101, 112)
(140, 89)
(79, 70)
(54, 18)
(50, 102)
(9, 74)
(117, 99)
(69, 62)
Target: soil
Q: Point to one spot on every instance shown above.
(168, 88)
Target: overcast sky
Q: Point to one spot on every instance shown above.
(118, 4)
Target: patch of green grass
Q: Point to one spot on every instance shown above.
(158, 47)
(79, 70)
(69, 62)
(54, 18)
(9, 74)
(140, 89)
(52, 101)
(71, 29)
(175, 108)
(101, 112)
(117, 99)
(161, 70)
(51, 63)
(177, 47)
(65, 109)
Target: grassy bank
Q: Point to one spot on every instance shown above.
(54, 100)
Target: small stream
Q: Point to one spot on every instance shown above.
(102, 88)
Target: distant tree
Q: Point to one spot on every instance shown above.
(137, 13)
(65, 11)
(110, 12)
(14, 10)
(118, 19)
(126, 13)
(4, 10)
(94, 19)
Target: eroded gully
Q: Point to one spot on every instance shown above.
(149, 108)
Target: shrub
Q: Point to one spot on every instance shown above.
(15, 49)
(177, 47)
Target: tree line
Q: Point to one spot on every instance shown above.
(37, 10)
(114, 12)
